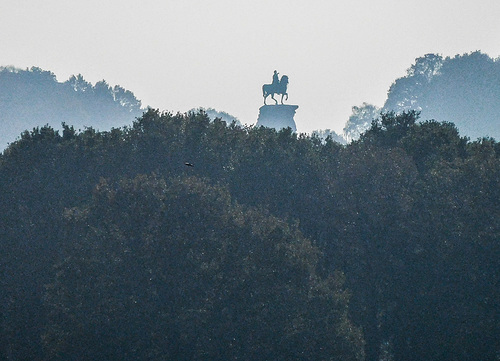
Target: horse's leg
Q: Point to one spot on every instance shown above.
(265, 96)
(272, 96)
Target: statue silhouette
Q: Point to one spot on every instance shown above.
(277, 87)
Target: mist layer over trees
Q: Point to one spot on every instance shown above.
(271, 246)
(33, 97)
(464, 89)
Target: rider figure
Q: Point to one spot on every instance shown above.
(276, 80)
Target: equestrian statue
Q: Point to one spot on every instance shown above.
(277, 87)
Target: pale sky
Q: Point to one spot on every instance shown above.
(178, 55)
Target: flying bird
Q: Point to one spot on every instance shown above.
(189, 164)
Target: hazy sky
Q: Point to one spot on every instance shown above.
(177, 55)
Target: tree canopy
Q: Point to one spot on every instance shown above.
(273, 245)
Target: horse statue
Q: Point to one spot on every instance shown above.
(279, 88)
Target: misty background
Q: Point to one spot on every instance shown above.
(182, 55)
(463, 90)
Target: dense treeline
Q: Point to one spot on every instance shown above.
(273, 246)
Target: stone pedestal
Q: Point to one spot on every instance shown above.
(277, 116)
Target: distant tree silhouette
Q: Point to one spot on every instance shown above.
(215, 114)
(360, 120)
(33, 97)
(464, 90)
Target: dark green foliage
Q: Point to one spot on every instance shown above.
(112, 248)
(155, 270)
(388, 129)
(418, 218)
(328, 133)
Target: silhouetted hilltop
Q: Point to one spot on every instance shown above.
(33, 97)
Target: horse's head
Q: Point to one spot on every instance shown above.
(284, 80)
